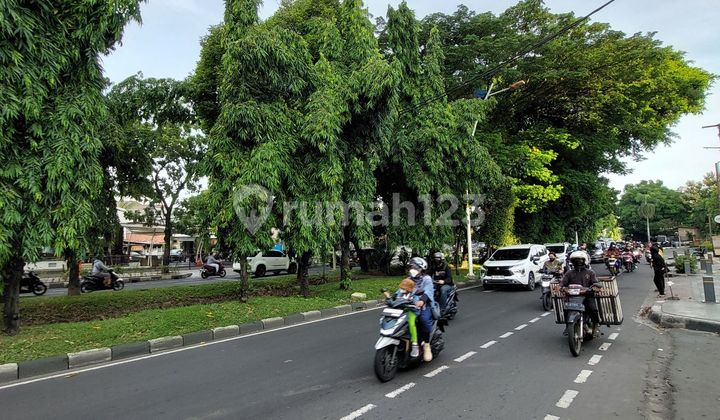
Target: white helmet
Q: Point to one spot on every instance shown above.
(579, 255)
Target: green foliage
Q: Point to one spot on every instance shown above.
(670, 210)
(50, 84)
(594, 96)
(680, 264)
(701, 198)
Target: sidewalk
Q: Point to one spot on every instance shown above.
(689, 309)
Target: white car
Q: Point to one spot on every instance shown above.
(269, 261)
(515, 265)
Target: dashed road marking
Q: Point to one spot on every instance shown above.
(583, 376)
(507, 334)
(613, 336)
(594, 360)
(400, 390)
(534, 320)
(357, 413)
(605, 346)
(520, 327)
(566, 399)
(436, 371)
(488, 344)
(550, 417)
(465, 356)
(546, 314)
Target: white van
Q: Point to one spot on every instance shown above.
(515, 265)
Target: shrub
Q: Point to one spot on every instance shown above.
(680, 264)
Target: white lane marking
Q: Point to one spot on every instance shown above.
(357, 413)
(507, 334)
(488, 344)
(520, 327)
(594, 360)
(550, 417)
(613, 336)
(400, 390)
(65, 373)
(566, 399)
(583, 376)
(465, 356)
(534, 320)
(605, 346)
(435, 372)
(488, 291)
(546, 314)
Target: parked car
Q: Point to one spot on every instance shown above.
(515, 265)
(135, 256)
(560, 249)
(273, 261)
(177, 255)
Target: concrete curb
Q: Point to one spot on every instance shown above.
(665, 320)
(11, 372)
(89, 357)
(165, 343)
(8, 372)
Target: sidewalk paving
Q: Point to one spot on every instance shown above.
(688, 309)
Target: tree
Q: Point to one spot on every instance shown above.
(670, 211)
(303, 100)
(50, 82)
(595, 96)
(435, 158)
(701, 198)
(158, 114)
(193, 218)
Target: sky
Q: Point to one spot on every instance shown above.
(167, 45)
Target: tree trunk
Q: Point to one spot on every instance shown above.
(73, 273)
(345, 259)
(168, 239)
(302, 273)
(362, 258)
(12, 274)
(244, 286)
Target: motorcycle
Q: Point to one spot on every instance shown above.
(637, 255)
(209, 271)
(451, 304)
(613, 265)
(392, 350)
(648, 257)
(578, 324)
(545, 280)
(628, 261)
(31, 283)
(92, 283)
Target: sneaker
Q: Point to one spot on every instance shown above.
(415, 352)
(427, 353)
(661, 296)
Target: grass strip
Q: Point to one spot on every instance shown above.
(58, 338)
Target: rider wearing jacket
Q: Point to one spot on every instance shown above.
(585, 277)
(442, 275)
(425, 291)
(101, 271)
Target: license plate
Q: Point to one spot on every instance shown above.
(574, 306)
(395, 313)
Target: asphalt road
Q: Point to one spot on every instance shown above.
(504, 359)
(193, 279)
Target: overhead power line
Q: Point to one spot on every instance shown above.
(517, 56)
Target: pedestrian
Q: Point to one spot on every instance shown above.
(659, 269)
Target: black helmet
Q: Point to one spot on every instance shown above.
(419, 263)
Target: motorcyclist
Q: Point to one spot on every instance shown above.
(442, 275)
(425, 291)
(213, 262)
(552, 265)
(586, 278)
(405, 293)
(101, 272)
